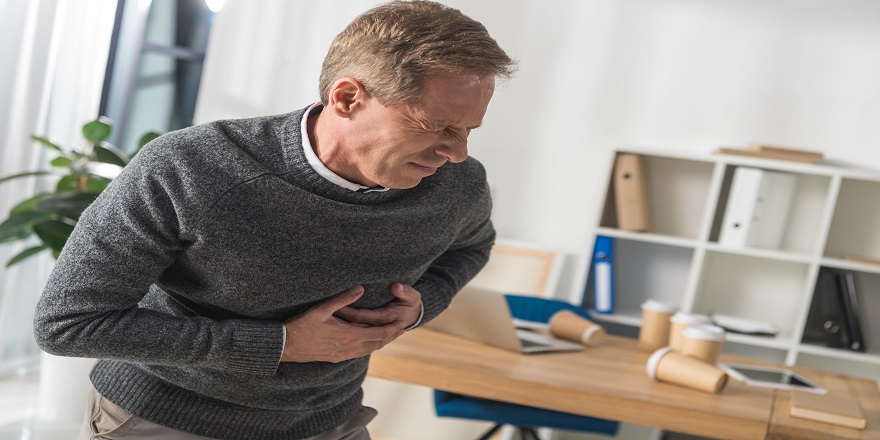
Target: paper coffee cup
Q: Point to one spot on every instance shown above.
(667, 365)
(681, 321)
(570, 326)
(703, 342)
(654, 332)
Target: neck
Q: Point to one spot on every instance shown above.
(329, 145)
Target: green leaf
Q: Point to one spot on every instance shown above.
(47, 143)
(66, 204)
(109, 154)
(67, 183)
(97, 130)
(27, 205)
(71, 183)
(96, 186)
(19, 226)
(61, 161)
(54, 233)
(20, 235)
(29, 173)
(23, 255)
(145, 139)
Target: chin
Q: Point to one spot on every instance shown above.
(403, 183)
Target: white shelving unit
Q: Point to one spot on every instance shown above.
(835, 213)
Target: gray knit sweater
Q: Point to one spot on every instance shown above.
(181, 273)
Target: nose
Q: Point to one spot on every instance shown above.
(454, 152)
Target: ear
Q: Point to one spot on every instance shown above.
(346, 96)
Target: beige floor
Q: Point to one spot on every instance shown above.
(406, 412)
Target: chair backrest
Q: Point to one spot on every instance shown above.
(540, 309)
(520, 268)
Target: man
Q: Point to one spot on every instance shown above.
(235, 277)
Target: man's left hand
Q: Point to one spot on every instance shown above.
(406, 307)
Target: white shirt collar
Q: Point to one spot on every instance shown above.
(319, 166)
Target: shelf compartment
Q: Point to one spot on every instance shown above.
(803, 225)
(770, 354)
(648, 237)
(851, 265)
(780, 342)
(840, 353)
(754, 288)
(868, 296)
(761, 253)
(854, 230)
(643, 271)
(678, 194)
(864, 366)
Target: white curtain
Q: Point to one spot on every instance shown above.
(53, 54)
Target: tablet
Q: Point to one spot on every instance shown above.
(771, 377)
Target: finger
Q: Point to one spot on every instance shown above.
(383, 333)
(378, 316)
(406, 293)
(340, 300)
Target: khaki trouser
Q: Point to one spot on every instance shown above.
(106, 420)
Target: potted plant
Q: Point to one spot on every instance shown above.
(83, 174)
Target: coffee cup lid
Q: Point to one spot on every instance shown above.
(657, 306)
(654, 360)
(704, 332)
(690, 318)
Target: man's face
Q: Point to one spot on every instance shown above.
(398, 146)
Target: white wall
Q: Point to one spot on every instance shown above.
(682, 75)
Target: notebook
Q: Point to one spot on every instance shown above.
(483, 315)
(828, 409)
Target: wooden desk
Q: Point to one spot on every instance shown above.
(610, 382)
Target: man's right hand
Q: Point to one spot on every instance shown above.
(317, 335)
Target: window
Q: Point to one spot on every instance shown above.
(155, 67)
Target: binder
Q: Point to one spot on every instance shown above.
(630, 193)
(757, 209)
(739, 211)
(603, 275)
(834, 325)
(851, 309)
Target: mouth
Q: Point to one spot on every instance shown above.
(429, 170)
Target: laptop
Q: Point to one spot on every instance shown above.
(483, 315)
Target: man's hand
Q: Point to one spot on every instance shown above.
(318, 335)
(406, 308)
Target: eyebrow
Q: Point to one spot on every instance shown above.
(443, 125)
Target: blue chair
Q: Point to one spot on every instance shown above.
(525, 418)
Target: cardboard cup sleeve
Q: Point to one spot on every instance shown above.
(666, 365)
(568, 325)
(703, 342)
(654, 332)
(681, 321)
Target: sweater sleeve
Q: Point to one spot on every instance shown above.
(454, 268)
(120, 246)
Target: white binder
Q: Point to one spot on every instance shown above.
(757, 208)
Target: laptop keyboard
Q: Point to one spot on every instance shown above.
(526, 343)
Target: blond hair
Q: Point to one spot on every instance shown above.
(393, 48)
